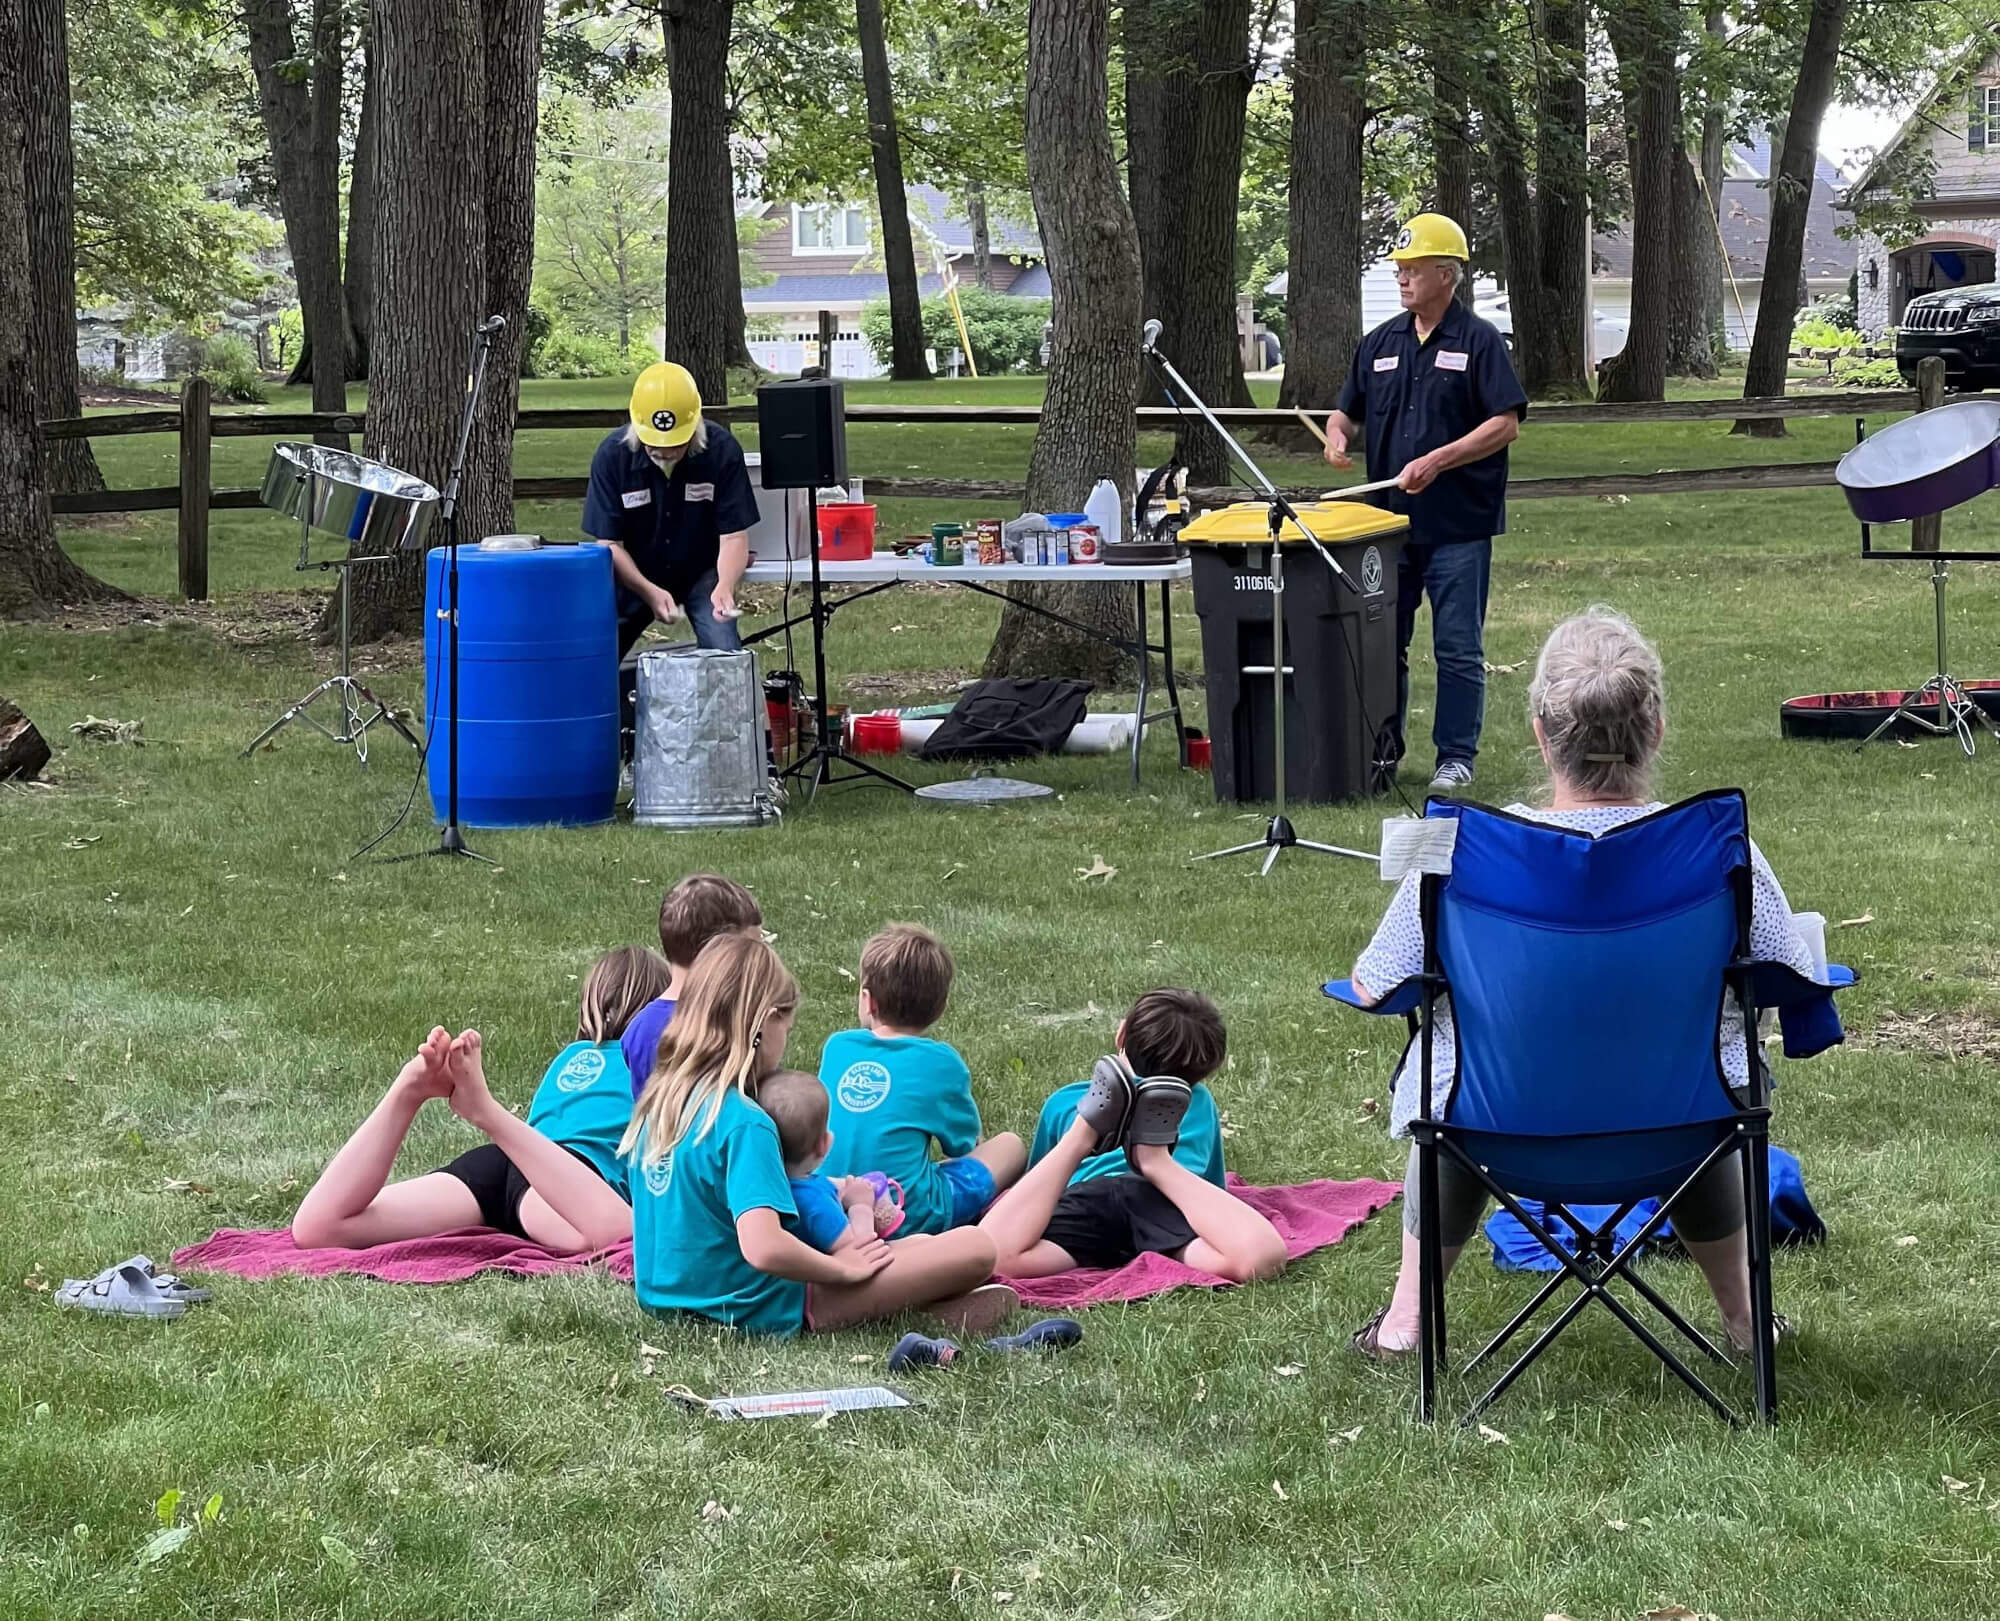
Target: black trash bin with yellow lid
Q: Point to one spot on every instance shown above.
(1340, 646)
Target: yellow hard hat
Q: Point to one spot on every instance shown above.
(1430, 236)
(666, 406)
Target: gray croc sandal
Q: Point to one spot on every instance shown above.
(1159, 1104)
(1107, 1106)
(120, 1291)
(169, 1285)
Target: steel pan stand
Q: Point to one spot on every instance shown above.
(359, 708)
(1955, 709)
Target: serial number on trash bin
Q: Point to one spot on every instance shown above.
(1253, 582)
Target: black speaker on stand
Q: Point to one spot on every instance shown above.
(802, 443)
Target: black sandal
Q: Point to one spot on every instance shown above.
(1107, 1107)
(1367, 1339)
(1159, 1105)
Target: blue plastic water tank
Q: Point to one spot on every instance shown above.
(538, 686)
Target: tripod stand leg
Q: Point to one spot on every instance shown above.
(1270, 861)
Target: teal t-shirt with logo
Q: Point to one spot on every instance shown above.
(1200, 1147)
(585, 1103)
(890, 1098)
(684, 1211)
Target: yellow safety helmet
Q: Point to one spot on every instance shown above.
(666, 406)
(1430, 236)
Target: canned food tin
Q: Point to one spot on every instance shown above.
(992, 550)
(1058, 540)
(1085, 546)
(947, 544)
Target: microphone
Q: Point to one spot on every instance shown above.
(1151, 337)
(492, 324)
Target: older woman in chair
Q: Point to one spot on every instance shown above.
(1598, 704)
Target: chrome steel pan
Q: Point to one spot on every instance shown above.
(1924, 464)
(367, 503)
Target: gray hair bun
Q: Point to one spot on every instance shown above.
(1600, 693)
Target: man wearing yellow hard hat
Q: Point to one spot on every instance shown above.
(1434, 395)
(670, 494)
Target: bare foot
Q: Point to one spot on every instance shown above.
(424, 1076)
(978, 1312)
(470, 1098)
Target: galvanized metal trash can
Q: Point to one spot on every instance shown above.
(700, 757)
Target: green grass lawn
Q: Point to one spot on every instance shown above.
(206, 991)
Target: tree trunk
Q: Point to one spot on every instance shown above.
(1161, 93)
(1520, 227)
(704, 304)
(1086, 432)
(892, 203)
(359, 262)
(1714, 114)
(51, 178)
(301, 114)
(1451, 121)
(1213, 360)
(1693, 303)
(35, 573)
(982, 237)
(1645, 35)
(431, 270)
(1323, 251)
(1558, 365)
(1791, 198)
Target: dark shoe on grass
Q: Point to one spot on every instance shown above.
(1050, 1334)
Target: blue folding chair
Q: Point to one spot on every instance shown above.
(1586, 975)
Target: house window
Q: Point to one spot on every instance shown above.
(829, 228)
(1983, 128)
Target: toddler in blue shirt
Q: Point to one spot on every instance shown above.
(831, 1213)
(896, 1092)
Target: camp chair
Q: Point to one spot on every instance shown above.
(1585, 977)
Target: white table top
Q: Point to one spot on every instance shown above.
(886, 566)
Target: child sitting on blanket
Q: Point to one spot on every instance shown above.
(1130, 1161)
(555, 1180)
(696, 910)
(896, 1092)
(709, 1192)
(831, 1212)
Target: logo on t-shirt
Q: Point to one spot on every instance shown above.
(660, 1175)
(863, 1087)
(582, 1072)
(664, 421)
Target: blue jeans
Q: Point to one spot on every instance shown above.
(1454, 575)
(633, 618)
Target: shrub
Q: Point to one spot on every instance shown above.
(537, 326)
(565, 353)
(1006, 333)
(1828, 323)
(1850, 371)
(229, 362)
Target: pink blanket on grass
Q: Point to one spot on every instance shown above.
(1308, 1215)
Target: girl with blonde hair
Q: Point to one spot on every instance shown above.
(710, 1193)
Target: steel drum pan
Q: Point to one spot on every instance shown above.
(367, 503)
(1924, 464)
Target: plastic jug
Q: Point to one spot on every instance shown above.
(1102, 510)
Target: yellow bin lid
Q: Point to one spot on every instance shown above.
(1248, 523)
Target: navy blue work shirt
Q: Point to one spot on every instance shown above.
(670, 523)
(1414, 397)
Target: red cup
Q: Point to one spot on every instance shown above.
(1198, 756)
(878, 734)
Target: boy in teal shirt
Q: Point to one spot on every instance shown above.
(1129, 1163)
(895, 1092)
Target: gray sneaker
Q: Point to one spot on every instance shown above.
(1451, 776)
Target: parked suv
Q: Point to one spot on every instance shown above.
(1960, 325)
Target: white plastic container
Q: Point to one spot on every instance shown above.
(1102, 510)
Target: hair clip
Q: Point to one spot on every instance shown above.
(1609, 759)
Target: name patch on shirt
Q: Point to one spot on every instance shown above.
(706, 492)
(1451, 360)
(1391, 362)
(638, 498)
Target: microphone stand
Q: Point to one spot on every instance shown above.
(452, 841)
(1279, 834)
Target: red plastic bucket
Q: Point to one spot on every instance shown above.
(1199, 756)
(846, 532)
(878, 734)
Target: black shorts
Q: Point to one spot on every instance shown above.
(1109, 1220)
(497, 1184)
